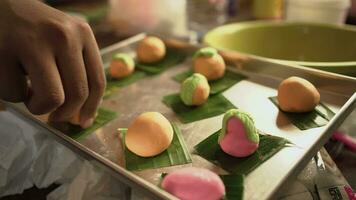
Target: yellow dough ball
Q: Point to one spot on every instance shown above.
(151, 49)
(209, 63)
(297, 95)
(149, 134)
(121, 66)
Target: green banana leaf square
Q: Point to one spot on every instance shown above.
(215, 105)
(76, 132)
(217, 86)
(176, 154)
(234, 186)
(319, 117)
(113, 84)
(210, 150)
(172, 58)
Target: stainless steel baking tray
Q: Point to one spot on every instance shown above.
(104, 146)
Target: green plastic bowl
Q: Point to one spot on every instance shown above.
(326, 47)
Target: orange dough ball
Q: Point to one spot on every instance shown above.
(151, 49)
(121, 66)
(297, 95)
(209, 63)
(149, 134)
(200, 95)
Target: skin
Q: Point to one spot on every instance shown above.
(58, 55)
(297, 95)
(75, 119)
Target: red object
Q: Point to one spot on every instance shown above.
(350, 193)
(347, 140)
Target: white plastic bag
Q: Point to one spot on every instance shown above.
(17, 152)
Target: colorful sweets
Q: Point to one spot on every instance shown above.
(195, 90)
(122, 65)
(297, 95)
(149, 134)
(150, 50)
(239, 136)
(194, 184)
(209, 63)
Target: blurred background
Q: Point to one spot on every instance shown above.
(181, 17)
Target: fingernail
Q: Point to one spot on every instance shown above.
(87, 123)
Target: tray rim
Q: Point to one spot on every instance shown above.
(148, 188)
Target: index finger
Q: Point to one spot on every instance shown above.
(96, 80)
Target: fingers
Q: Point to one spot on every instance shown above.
(73, 75)
(46, 87)
(66, 78)
(13, 82)
(62, 61)
(96, 78)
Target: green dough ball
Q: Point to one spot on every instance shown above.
(206, 52)
(125, 58)
(246, 119)
(188, 87)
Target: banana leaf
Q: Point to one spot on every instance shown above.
(215, 105)
(176, 154)
(113, 84)
(210, 150)
(319, 117)
(172, 58)
(76, 132)
(228, 80)
(234, 186)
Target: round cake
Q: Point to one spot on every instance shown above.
(238, 136)
(194, 184)
(149, 134)
(209, 63)
(122, 65)
(150, 50)
(195, 90)
(297, 95)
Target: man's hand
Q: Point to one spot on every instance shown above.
(50, 61)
